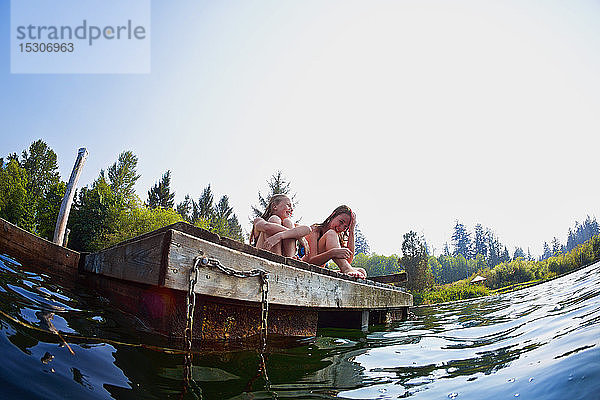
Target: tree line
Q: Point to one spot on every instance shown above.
(481, 252)
(108, 210)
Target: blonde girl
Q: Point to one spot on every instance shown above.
(275, 231)
(333, 239)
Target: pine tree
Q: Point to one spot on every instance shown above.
(446, 251)
(185, 208)
(122, 176)
(277, 185)
(415, 262)
(494, 249)
(360, 242)
(461, 241)
(204, 207)
(160, 194)
(547, 252)
(42, 169)
(505, 257)
(16, 205)
(479, 241)
(557, 248)
(518, 253)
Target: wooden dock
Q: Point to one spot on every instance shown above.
(149, 276)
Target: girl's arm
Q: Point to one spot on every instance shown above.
(294, 233)
(269, 228)
(351, 236)
(320, 259)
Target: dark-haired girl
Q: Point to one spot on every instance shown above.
(333, 239)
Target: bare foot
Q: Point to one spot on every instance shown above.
(357, 272)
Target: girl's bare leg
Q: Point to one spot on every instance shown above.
(277, 248)
(288, 246)
(330, 240)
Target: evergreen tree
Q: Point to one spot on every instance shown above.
(234, 228)
(479, 241)
(16, 205)
(557, 248)
(204, 207)
(494, 249)
(446, 251)
(185, 208)
(582, 233)
(360, 242)
(518, 253)
(42, 169)
(222, 210)
(415, 262)
(461, 241)
(277, 185)
(48, 208)
(94, 215)
(122, 176)
(160, 194)
(505, 256)
(547, 252)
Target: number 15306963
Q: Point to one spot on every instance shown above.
(36, 47)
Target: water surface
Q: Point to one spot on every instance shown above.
(542, 342)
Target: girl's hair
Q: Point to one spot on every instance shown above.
(343, 209)
(273, 201)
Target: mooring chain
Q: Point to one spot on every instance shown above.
(264, 288)
(264, 315)
(191, 303)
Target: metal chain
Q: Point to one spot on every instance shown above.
(264, 288)
(191, 304)
(264, 314)
(230, 271)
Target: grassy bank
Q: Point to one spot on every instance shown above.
(450, 292)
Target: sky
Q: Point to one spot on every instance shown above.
(416, 114)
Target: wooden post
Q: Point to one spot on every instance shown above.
(65, 206)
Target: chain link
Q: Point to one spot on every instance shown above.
(191, 305)
(264, 315)
(264, 288)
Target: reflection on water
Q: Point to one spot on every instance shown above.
(539, 343)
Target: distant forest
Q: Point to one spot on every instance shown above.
(473, 251)
(109, 211)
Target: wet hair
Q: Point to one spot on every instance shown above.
(273, 201)
(343, 209)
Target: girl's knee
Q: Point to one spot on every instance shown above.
(331, 238)
(288, 223)
(331, 234)
(274, 219)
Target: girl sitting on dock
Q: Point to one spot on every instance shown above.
(334, 240)
(275, 231)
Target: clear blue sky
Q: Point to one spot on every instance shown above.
(414, 113)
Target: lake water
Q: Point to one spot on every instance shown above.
(538, 343)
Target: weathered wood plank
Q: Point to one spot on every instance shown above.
(393, 278)
(136, 261)
(40, 253)
(287, 285)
